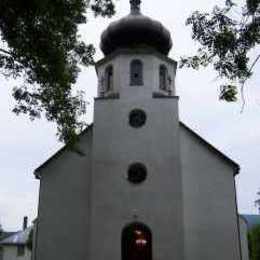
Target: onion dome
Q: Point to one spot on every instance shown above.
(136, 30)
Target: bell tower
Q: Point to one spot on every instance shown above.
(136, 184)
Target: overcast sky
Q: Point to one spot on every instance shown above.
(25, 144)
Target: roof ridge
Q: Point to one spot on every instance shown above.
(212, 147)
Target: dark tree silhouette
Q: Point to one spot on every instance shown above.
(39, 43)
(254, 243)
(226, 36)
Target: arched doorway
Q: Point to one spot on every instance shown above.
(136, 242)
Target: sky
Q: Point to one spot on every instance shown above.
(24, 145)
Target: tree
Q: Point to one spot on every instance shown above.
(225, 43)
(254, 243)
(39, 43)
(29, 242)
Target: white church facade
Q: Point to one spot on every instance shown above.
(142, 185)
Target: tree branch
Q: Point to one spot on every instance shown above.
(244, 81)
(254, 63)
(5, 52)
(11, 56)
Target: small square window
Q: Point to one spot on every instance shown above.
(20, 250)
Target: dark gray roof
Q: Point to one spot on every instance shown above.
(133, 31)
(5, 235)
(18, 238)
(139, 50)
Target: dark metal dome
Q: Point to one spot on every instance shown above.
(136, 30)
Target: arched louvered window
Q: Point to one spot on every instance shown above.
(136, 242)
(109, 78)
(136, 73)
(163, 75)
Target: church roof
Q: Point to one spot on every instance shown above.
(17, 238)
(233, 164)
(136, 30)
(4, 235)
(140, 50)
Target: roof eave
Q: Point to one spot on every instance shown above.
(13, 244)
(139, 50)
(37, 171)
(231, 162)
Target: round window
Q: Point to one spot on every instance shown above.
(137, 173)
(137, 118)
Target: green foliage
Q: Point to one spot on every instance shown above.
(1, 230)
(29, 243)
(228, 93)
(225, 43)
(254, 243)
(39, 43)
(103, 8)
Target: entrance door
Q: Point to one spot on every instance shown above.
(136, 242)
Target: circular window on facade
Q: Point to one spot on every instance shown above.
(137, 173)
(137, 118)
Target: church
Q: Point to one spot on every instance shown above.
(141, 184)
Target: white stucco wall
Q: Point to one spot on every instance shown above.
(62, 224)
(209, 197)
(157, 202)
(10, 253)
(121, 74)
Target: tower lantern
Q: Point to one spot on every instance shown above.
(136, 59)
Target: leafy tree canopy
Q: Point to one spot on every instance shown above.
(39, 43)
(254, 243)
(29, 242)
(226, 36)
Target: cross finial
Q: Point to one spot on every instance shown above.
(135, 6)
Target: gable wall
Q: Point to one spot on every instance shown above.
(210, 214)
(10, 253)
(62, 229)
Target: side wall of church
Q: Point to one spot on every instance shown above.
(64, 205)
(209, 199)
